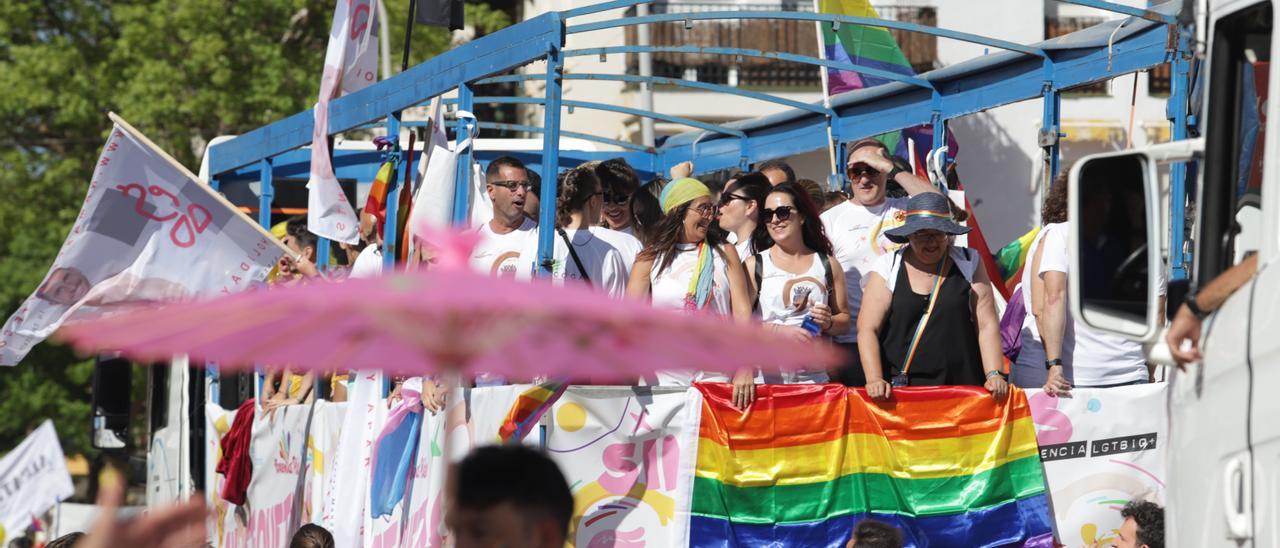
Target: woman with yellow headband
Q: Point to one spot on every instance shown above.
(928, 314)
(685, 267)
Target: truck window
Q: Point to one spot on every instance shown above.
(1231, 202)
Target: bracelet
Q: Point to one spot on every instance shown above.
(994, 373)
(1050, 363)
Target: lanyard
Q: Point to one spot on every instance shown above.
(933, 299)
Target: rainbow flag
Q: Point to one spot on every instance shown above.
(860, 45)
(949, 466)
(1013, 257)
(529, 407)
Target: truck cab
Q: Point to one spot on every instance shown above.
(1223, 484)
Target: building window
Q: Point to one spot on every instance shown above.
(1059, 26)
(1160, 80)
(798, 37)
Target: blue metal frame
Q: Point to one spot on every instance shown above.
(461, 196)
(660, 81)
(1178, 111)
(550, 157)
(611, 108)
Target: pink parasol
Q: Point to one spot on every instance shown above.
(445, 318)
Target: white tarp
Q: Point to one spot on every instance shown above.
(33, 478)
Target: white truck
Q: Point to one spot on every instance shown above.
(1224, 447)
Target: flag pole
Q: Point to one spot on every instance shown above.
(408, 34)
(832, 141)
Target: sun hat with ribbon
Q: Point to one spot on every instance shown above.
(927, 211)
(681, 191)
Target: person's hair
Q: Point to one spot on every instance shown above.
(646, 212)
(1055, 203)
(812, 232)
(870, 533)
(297, 227)
(1149, 517)
(666, 235)
(504, 161)
(868, 142)
(576, 186)
(753, 186)
(65, 541)
(617, 177)
(815, 191)
(780, 166)
(311, 536)
(833, 198)
(536, 180)
(521, 476)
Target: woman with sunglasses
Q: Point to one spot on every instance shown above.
(686, 267)
(620, 228)
(740, 205)
(580, 253)
(793, 276)
(928, 313)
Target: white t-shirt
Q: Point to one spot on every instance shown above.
(602, 261)
(857, 238)
(1091, 358)
(498, 254)
(622, 240)
(668, 290)
(785, 299)
(368, 263)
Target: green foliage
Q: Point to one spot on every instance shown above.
(182, 72)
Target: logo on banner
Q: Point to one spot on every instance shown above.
(1054, 430)
(286, 461)
(192, 221)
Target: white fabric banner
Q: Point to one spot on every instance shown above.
(350, 64)
(627, 454)
(347, 488)
(33, 478)
(1101, 448)
(148, 231)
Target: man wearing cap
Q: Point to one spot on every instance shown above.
(856, 228)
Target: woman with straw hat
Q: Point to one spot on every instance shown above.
(928, 313)
(686, 267)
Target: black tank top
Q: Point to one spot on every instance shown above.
(948, 351)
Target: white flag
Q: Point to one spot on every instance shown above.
(33, 478)
(350, 64)
(148, 231)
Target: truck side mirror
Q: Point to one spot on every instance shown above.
(1115, 244)
(112, 400)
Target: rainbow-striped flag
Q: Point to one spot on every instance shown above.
(1012, 258)
(529, 407)
(860, 45)
(949, 466)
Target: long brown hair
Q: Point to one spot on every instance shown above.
(661, 247)
(572, 193)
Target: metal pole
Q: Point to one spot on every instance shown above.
(384, 38)
(462, 179)
(647, 136)
(550, 160)
(1177, 109)
(1049, 135)
(393, 194)
(266, 192)
(408, 34)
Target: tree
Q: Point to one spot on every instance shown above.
(182, 72)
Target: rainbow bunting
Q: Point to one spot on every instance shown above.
(1013, 257)
(949, 466)
(529, 407)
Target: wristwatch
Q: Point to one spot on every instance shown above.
(894, 173)
(1200, 313)
(1048, 364)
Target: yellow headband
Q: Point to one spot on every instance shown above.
(681, 191)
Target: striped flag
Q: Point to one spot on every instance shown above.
(529, 407)
(1012, 258)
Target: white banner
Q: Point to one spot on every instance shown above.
(148, 231)
(33, 478)
(347, 487)
(1101, 448)
(350, 64)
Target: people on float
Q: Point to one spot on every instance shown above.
(816, 194)
(856, 229)
(870, 533)
(794, 277)
(1143, 526)
(646, 211)
(619, 183)
(533, 199)
(1184, 333)
(311, 536)
(498, 252)
(833, 198)
(740, 204)
(507, 495)
(1059, 352)
(686, 267)
(928, 315)
(581, 252)
(777, 171)
(281, 387)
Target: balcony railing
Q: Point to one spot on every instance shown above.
(799, 37)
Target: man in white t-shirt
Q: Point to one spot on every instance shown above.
(856, 228)
(501, 239)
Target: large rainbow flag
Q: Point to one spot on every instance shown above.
(1012, 258)
(949, 466)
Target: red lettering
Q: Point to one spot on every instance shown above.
(195, 211)
(182, 234)
(112, 146)
(244, 267)
(235, 279)
(141, 201)
(104, 161)
(359, 20)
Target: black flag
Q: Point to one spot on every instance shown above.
(440, 13)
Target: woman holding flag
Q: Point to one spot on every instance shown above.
(928, 315)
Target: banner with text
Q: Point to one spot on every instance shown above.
(33, 478)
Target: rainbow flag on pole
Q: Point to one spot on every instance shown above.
(1012, 258)
(529, 407)
(949, 466)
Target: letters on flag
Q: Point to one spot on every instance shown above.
(148, 231)
(350, 64)
(33, 478)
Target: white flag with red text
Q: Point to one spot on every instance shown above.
(148, 231)
(350, 64)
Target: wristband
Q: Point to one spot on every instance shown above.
(1050, 363)
(1200, 313)
(994, 373)
(894, 173)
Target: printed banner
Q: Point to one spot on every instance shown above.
(350, 64)
(347, 489)
(1101, 448)
(627, 454)
(33, 478)
(948, 466)
(148, 231)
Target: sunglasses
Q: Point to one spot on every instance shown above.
(705, 210)
(729, 197)
(511, 185)
(782, 212)
(859, 170)
(616, 199)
